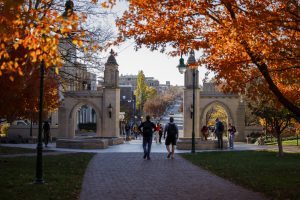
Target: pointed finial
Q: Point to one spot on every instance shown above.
(111, 59)
(69, 5)
(192, 52)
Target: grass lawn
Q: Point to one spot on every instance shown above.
(286, 143)
(63, 175)
(16, 150)
(278, 178)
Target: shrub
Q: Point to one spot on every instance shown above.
(4, 129)
(88, 126)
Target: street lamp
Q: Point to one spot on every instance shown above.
(39, 157)
(182, 68)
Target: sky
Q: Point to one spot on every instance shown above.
(154, 64)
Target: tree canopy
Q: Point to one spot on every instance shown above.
(32, 31)
(240, 40)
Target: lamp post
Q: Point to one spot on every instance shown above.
(182, 68)
(39, 157)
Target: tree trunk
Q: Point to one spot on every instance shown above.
(263, 68)
(279, 142)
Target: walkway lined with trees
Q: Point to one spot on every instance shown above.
(107, 177)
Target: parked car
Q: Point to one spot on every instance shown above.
(20, 123)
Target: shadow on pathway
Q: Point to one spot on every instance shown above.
(126, 176)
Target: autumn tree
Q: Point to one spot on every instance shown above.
(276, 119)
(32, 31)
(140, 91)
(240, 40)
(35, 29)
(157, 105)
(151, 92)
(215, 112)
(19, 98)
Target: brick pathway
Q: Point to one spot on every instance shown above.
(126, 176)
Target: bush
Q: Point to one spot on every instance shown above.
(88, 126)
(4, 129)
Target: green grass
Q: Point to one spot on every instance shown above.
(63, 175)
(15, 150)
(261, 171)
(285, 143)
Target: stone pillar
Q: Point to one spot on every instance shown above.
(240, 122)
(62, 120)
(187, 119)
(111, 124)
(111, 97)
(187, 103)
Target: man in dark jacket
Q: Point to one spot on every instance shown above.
(46, 128)
(219, 129)
(147, 128)
(172, 135)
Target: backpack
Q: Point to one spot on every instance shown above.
(172, 130)
(147, 128)
(221, 127)
(233, 129)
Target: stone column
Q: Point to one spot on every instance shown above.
(188, 102)
(62, 122)
(111, 124)
(111, 97)
(240, 122)
(187, 119)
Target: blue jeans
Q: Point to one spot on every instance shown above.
(231, 140)
(147, 142)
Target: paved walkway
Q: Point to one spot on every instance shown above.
(136, 146)
(126, 176)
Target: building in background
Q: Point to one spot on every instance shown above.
(164, 87)
(74, 76)
(132, 80)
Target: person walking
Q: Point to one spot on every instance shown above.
(231, 131)
(219, 129)
(127, 131)
(157, 128)
(146, 128)
(135, 131)
(204, 132)
(46, 129)
(160, 132)
(172, 135)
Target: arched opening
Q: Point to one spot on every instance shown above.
(210, 113)
(84, 120)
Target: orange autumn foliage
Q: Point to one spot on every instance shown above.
(240, 41)
(20, 98)
(30, 32)
(36, 28)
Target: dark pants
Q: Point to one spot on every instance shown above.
(160, 135)
(46, 137)
(147, 142)
(220, 140)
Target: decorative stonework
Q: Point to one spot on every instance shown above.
(100, 100)
(231, 103)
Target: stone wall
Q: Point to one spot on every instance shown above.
(20, 133)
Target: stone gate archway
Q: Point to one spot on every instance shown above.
(206, 108)
(105, 101)
(204, 99)
(72, 102)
